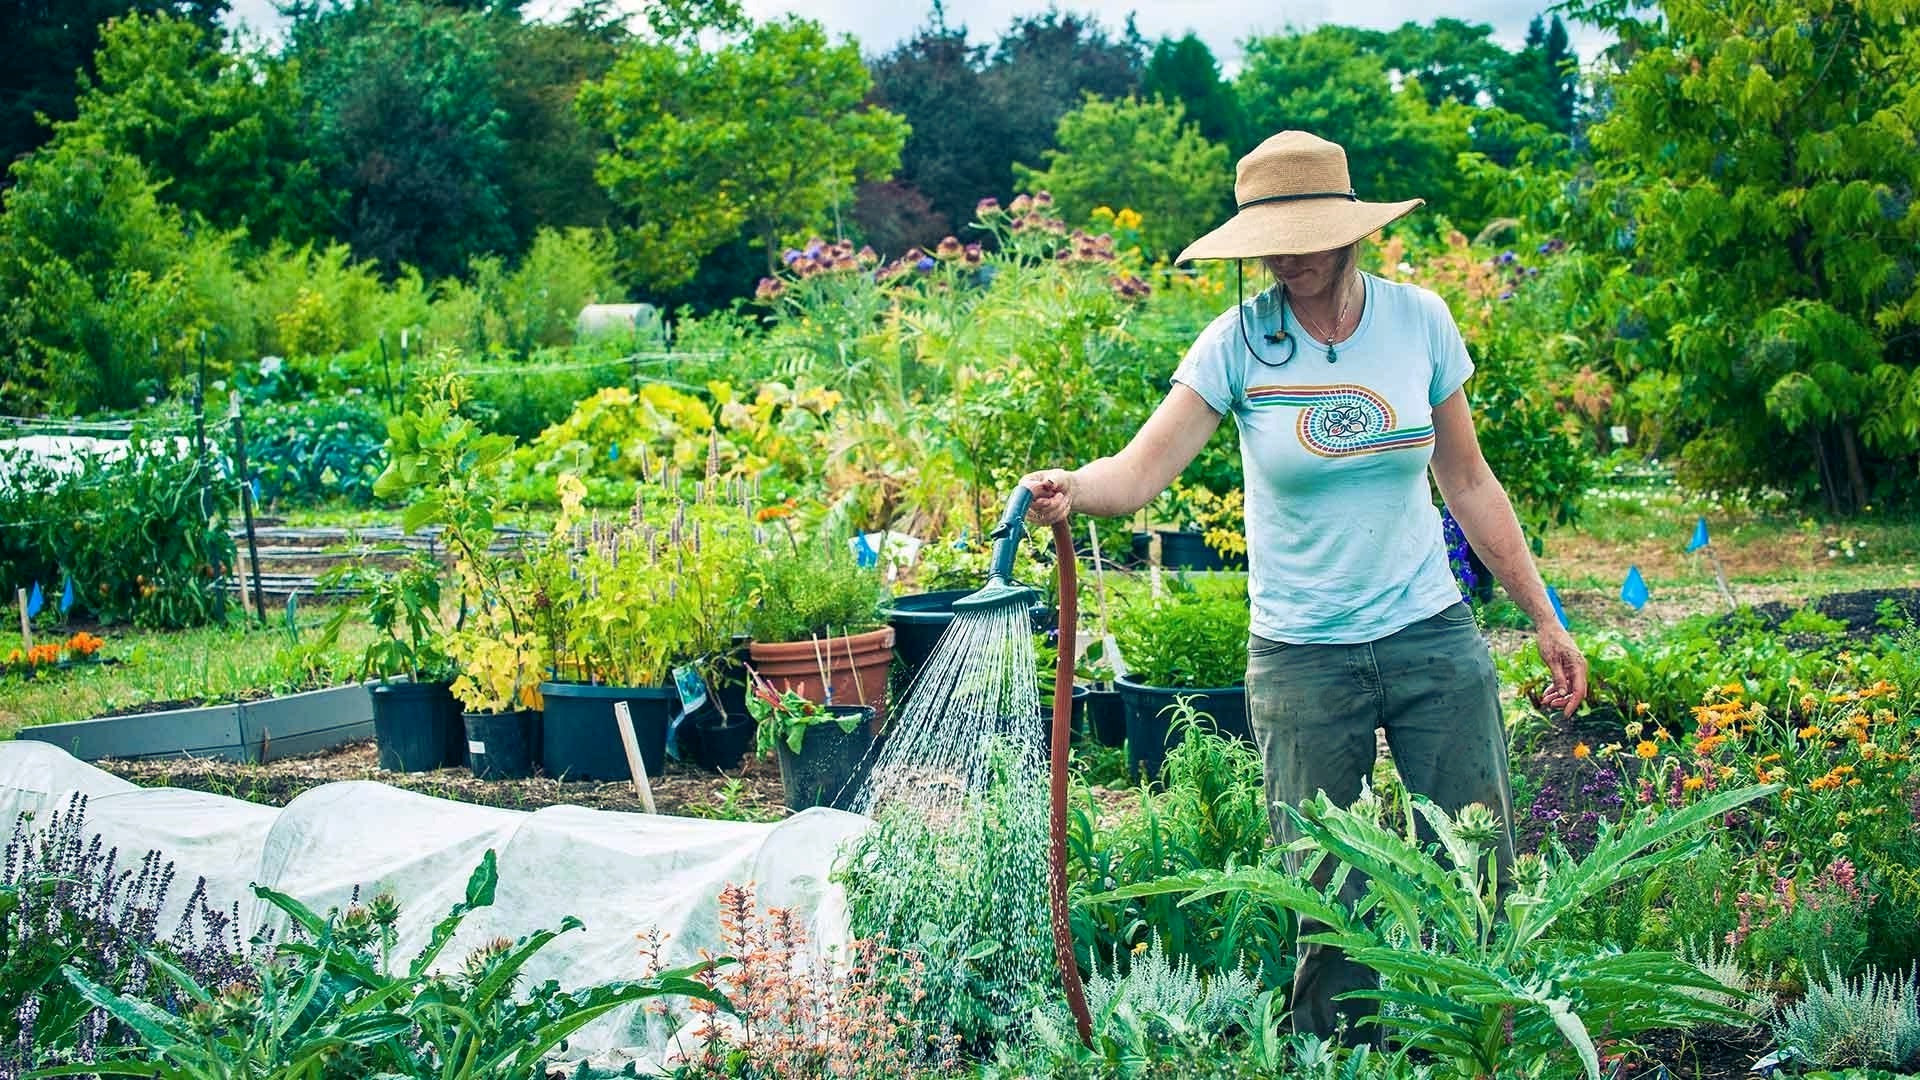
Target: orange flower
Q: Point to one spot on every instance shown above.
(1694, 783)
(1641, 709)
(1582, 751)
(1708, 744)
(1883, 688)
(84, 644)
(1811, 731)
(1647, 749)
(1733, 689)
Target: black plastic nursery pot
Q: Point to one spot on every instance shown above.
(831, 764)
(502, 745)
(1187, 550)
(719, 746)
(581, 740)
(1107, 715)
(1076, 720)
(918, 620)
(1150, 732)
(417, 726)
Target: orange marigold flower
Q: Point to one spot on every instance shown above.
(1661, 734)
(1707, 745)
(1883, 688)
(1694, 783)
(1811, 731)
(1641, 709)
(1582, 751)
(1733, 688)
(1808, 702)
(1769, 759)
(1647, 749)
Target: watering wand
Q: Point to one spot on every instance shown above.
(1001, 591)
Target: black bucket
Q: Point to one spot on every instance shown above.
(1107, 715)
(582, 739)
(918, 620)
(417, 726)
(1185, 550)
(831, 765)
(500, 745)
(1150, 731)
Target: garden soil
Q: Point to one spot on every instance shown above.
(681, 790)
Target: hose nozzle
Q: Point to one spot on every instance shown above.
(1000, 588)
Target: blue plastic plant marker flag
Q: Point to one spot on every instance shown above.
(66, 596)
(863, 552)
(613, 452)
(253, 485)
(1634, 589)
(1699, 536)
(35, 601)
(1558, 611)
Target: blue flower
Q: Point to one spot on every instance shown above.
(925, 264)
(790, 255)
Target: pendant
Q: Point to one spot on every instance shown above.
(1330, 355)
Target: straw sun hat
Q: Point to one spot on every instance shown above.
(1294, 197)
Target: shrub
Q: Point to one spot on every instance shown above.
(525, 400)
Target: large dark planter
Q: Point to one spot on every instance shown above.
(1076, 720)
(581, 740)
(1150, 732)
(417, 726)
(918, 620)
(856, 668)
(501, 745)
(1188, 550)
(832, 764)
(1107, 715)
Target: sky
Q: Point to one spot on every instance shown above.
(1222, 24)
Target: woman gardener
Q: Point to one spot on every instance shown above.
(1347, 392)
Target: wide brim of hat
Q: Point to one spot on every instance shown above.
(1296, 228)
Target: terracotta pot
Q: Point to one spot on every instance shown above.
(856, 668)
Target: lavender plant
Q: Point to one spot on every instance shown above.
(67, 902)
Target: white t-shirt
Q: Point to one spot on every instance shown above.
(1343, 538)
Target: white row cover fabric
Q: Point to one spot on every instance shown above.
(620, 874)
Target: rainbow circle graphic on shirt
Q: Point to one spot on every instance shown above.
(1341, 420)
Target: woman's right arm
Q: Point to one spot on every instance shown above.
(1116, 486)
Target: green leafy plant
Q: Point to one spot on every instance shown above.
(403, 606)
(1211, 816)
(1194, 636)
(330, 1005)
(1470, 974)
(786, 717)
(811, 591)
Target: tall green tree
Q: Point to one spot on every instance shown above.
(1144, 155)
(105, 292)
(1398, 145)
(933, 81)
(766, 133)
(1757, 170)
(1043, 67)
(47, 42)
(225, 134)
(547, 178)
(1185, 71)
(407, 129)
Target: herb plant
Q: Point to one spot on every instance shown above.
(1192, 637)
(811, 592)
(786, 717)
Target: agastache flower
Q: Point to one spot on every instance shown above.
(949, 248)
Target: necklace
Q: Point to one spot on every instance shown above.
(1337, 320)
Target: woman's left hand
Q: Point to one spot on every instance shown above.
(1568, 668)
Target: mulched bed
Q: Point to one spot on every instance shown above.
(682, 789)
(1721, 1055)
(1860, 610)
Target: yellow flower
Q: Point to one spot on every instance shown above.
(1139, 947)
(1811, 731)
(1808, 702)
(1694, 783)
(1641, 709)
(1647, 749)
(1609, 750)
(1582, 751)
(1127, 218)
(1634, 729)
(1838, 840)
(1660, 735)
(1732, 689)
(1725, 772)
(1883, 716)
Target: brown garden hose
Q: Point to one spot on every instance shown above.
(1062, 737)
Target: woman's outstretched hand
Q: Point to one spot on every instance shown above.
(1052, 495)
(1568, 668)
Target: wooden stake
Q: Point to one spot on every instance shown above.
(623, 718)
(1720, 575)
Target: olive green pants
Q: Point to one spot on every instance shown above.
(1314, 710)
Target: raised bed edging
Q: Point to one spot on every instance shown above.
(250, 731)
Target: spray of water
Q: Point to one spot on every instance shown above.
(955, 868)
